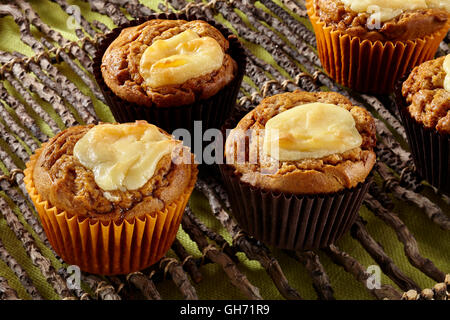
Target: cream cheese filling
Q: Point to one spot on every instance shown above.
(446, 66)
(122, 156)
(313, 130)
(182, 57)
(384, 10)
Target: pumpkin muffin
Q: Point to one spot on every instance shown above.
(368, 45)
(423, 101)
(111, 196)
(299, 163)
(170, 72)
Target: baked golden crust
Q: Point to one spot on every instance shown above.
(120, 65)
(410, 25)
(308, 176)
(63, 181)
(428, 102)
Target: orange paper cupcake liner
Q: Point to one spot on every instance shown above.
(107, 248)
(369, 66)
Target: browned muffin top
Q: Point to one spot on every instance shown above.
(409, 25)
(121, 61)
(63, 181)
(428, 101)
(307, 176)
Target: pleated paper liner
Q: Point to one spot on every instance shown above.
(429, 148)
(212, 111)
(369, 66)
(289, 221)
(107, 248)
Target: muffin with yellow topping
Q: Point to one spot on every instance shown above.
(111, 196)
(297, 168)
(368, 45)
(423, 101)
(170, 71)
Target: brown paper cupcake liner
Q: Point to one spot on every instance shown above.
(212, 111)
(107, 248)
(369, 66)
(289, 221)
(429, 148)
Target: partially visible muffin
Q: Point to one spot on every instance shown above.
(423, 101)
(111, 196)
(124, 73)
(368, 45)
(398, 24)
(297, 168)
(427, 97)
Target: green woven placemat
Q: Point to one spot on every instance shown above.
(434, 243)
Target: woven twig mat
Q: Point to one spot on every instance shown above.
(402, 234)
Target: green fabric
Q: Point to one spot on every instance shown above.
(433, 242)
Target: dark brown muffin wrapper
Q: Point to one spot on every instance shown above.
(212, 111)
(289, 221)
(429, 148)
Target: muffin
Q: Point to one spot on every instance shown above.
(170, 71)
(423, 101)
(368, 45)
(111, 196)
(297, 168)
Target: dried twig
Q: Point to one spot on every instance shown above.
(78, 292)
(352, 266)
(74, 49)
(406, 169)
(321, 282)
(21, 274)
(179, 277)
(67, 117)
(390, 142)
(144, 284)
(298, 28)
(376, 251)
(17, 129)
(253, 250)
(6, 292)
(211, 234)
(35, 254)
(188, 261)
(59, 83)
(63, 84)
(28, 121)
(70, 10)
(13, 143)
(385, 113)
(237, 278)
(82, 74)
(111, 10)
(134, 8)
(304, 54)
(296, 7)
(20, 199)
(379, 194)
(100, 26)
(44, 92)
(433, 212)
(101, 288)
(405, 236)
